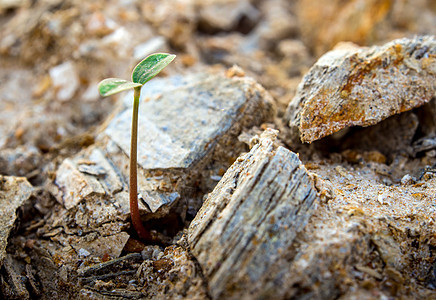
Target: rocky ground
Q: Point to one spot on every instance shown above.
(242, 207)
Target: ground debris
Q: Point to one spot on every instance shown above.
(387, 229)
(226, 15)
(98, 268)
(169, 273)
(20, 161)
(370, 236)
(65, 80)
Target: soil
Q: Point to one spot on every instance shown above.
(373, 233)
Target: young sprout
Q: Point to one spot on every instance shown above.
(143, 72)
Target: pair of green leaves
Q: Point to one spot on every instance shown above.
(142, 73)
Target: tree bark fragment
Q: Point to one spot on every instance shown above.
(243, 234)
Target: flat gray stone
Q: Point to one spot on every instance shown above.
(111, 245)
(188, 126)
(178, 127)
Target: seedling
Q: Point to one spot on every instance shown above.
(142, 73)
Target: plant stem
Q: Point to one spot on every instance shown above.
(133, 192)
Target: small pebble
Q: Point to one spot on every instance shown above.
(83, 252)
(431, 153)
(407, 179)
(156, 44)
(427, 176)
(65, 80)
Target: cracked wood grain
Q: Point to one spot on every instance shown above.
(244, 232)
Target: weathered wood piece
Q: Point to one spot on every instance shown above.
(353, 86)
(243, 234)
(14, 192)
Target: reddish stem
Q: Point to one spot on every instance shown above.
(133, 192)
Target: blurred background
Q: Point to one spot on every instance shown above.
(53, 53)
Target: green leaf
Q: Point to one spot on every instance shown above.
(110, 86)
(151, 66)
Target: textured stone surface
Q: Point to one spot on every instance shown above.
(110, 246)
(14, 192)
(178, 127)
(366, 231)
(225, 15)
(85, 176)
(244, 231)
(362, 86)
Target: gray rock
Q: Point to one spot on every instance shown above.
(65, 80)
(88, 175)
(225, 15)
(153, 45)
(19, 161)
(188, 128)
(245, 230)
(105, 245)
(178, 128)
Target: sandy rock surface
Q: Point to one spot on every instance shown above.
(360, 87)
(15, 191)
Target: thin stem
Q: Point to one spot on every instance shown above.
(133, 192)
